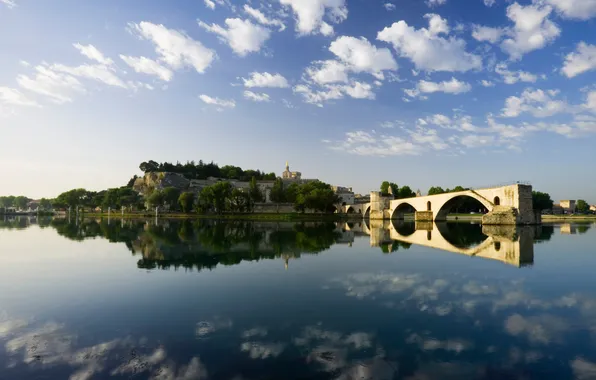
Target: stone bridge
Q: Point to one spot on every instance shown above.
(506, 205)
(508, 244)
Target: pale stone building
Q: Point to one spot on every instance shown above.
(287, 174)
(568, 206)
(345, 194)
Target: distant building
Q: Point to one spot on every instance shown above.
(287, 174)
(568, 206)
(345, 194)
(593, 208)
(418, 193)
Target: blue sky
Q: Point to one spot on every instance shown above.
(353, 92)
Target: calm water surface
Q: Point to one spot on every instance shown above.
(220, 300)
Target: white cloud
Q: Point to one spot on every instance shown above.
(575, 9)
(220, 103)
(310, 13)
(452, 86)
(476, 141)
(256, 97)
(485, 33)
(389, 6)
(489, 3)
(366, 144)
(148, 66)
(329, 71)
(98, 73)
(361, 56)
(318, 97)
(242, 36)
(266, 80)
(414, 142)
(354, 89)
(51, 83)
(590, 104)
(512, 77)
(581, 60)
(176, 48)
(13, 97)
(92, 53)
(434, 3)
(211, 3)
(487, 83)
(427, 49)
(262, 19)
(532, 29)
(288, 104)
(9, 3)
(537, 102)
(359, 90)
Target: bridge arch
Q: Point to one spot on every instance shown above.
(367, 212)
(402, 209)
(458, 200)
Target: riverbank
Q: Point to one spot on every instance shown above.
(568, 218)
(255, 216)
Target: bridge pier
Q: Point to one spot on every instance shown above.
(424, 216)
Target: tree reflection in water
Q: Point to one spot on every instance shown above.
(204, 243)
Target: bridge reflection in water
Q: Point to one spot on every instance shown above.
(513, 245)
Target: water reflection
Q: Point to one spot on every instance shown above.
(345, 314)
(204, 244)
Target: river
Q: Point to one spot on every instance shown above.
(159, 299)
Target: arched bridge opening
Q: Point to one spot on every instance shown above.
(402, 211)
(463, 204)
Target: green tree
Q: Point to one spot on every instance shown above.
(170, 197)
(582, 206)
(186, 201)
(45, 204)
(394, 188)
(74, 198)
(277, 193)
(111, 199)
(7, 201)
(155, 199)
(435, 190)
(256, 195)
(316, 195)
(389, 188)
(148, 167)
(457, 189)
(292, 192)
(405, 192)
(131, 182)
(21, 202)
(541, 201)
(217, 197)
(240, 201)
(385, 187)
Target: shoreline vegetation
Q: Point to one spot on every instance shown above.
(230, 192)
